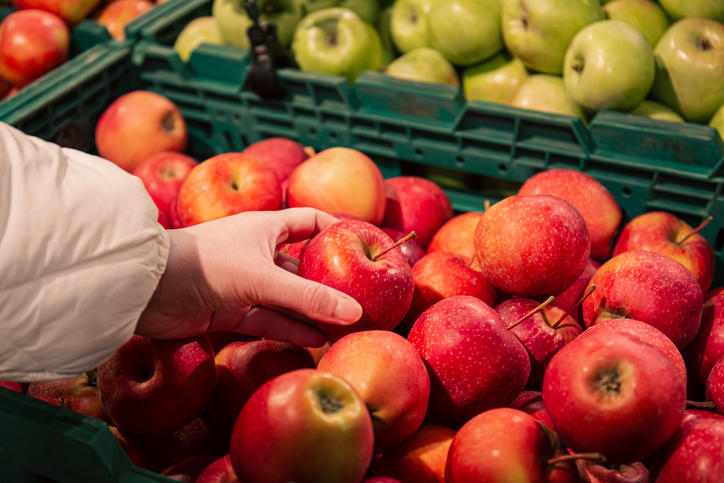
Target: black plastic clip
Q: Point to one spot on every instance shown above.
(267, 56)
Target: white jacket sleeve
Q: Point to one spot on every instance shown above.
(80, 256)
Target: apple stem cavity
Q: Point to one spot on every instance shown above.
(399, 242)
(577, 456)
(168, 122)
(707, 405)
(328, 403)
(533, 311)
(588, 293)
(694, 231)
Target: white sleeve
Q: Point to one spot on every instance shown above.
(81, 253)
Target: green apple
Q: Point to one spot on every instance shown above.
(423, 65)
(709, 9)
(233, 21)
(201, 30)
(465, 31)
(368, 10)
(642, 14)
(384, 28)
(539, 31)
(690, 68)
(409, 23)
(494, 80)
(717, 121)
(543, 92)
(609, 65)
(655, 110)
(306, 7)
(337, 41)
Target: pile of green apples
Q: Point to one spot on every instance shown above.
(662, 60)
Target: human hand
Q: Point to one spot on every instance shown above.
(228, 274)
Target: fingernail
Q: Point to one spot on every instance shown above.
(348, 310)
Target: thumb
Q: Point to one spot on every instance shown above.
(312, 299)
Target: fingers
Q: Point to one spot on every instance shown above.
(268, 324)
(303, 223)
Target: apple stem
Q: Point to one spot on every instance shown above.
(577, 456)
(701, 404)
(399, 242)
(486, 205)
(92, 376)
(578, 304)
(536, 309)
(695, 230)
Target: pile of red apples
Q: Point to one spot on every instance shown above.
(543, 338)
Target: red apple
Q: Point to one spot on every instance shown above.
(411, 248)
(294, 249)
(12, 385)
(32, 43)
(569, 299)
(664, 233)
(242, 367)
(220, 471)
(342, 257)
(339, 180)
(72, 11)
(282, 155)
(416, 204)
(152, 387)
(474, 362)
(187, 470)
(303, 426)
(531, 402)
(421, 458)
(139, 125)
(592, 200)
(219, 339)
(649, 287)
(119, 13)
(595, 472)
(397, 399)
(132, 450)
(162, 176)
(613, 394)
(457, 236)
(78, 394)
(708, 346)
(225, 185)
(380, 479)
(715, 385)
(532, 245)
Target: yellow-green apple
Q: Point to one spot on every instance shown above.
(649, 287)
(409, 24)
(188, 469)
(162, 176)
(416, 204)
(543, 333)
(337, 41)
(474, 362)
(219, 471)
(457, 236)
(368, 10)
(545, 232)
(201, 30)
(531, 402)
(282, 155)
(495, 79)
(227, 184)
(139, 125)
(538, 31)
(233, 22)
(12, 385)
(689, 63)
(423, 65)
(71, 11)
(708, 346)
(360, 260)
(439, 275)
(717, 121)
(645, 15)
(384, 28)
(420, 458)
(677, 9)
(609, 65)
(465, 31)
(546, 93)
(411, 248)
(119, 13)
(592, 200)
(613, 394)
(569, 300)
(597, 472)
(664, 233)
(32, 43)
(505, 444)
(303, 426)
(396, 399)
(79, 394)
(715, 384)
(153, 387)
(339, 180)
(656, 110)
(241, 369)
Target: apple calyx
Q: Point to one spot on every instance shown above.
(706, 405)
(141, 371)
(598, 457)
(694, 231)
(704, 44)
(399, 242)
(540, 307)
(587, 294)
(168, 122)
(328, 403)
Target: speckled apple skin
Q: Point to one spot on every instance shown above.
(474, 363)
(532, 245)
(457, 236)
(412, 249)
(540, 339)
(708, 345)
(649, 287)
(568, 299)
(592, 200)
(658, 231)
(715, 385)
(340, 257)
(626, 426)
